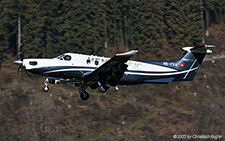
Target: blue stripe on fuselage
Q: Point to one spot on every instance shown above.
(137, 77)
(44, 70)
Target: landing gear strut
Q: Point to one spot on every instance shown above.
(46, 88)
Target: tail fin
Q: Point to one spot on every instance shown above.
(192, 60)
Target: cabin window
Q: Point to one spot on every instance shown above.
(67, 57)
(33, 63)
(96, 62)
(88, 61)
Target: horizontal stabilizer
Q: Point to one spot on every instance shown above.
(200, 49)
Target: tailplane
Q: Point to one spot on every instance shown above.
(191, 61)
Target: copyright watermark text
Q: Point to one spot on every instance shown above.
(197, 136)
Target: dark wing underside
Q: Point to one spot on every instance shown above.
(110, 72)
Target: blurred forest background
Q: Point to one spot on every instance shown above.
(156, 28)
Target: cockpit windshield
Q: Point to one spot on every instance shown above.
(64, 57)
(60, 56)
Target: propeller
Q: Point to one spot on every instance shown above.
(19, 60)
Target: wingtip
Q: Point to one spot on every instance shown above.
(129, 53)
(135, 51)
(210, 46)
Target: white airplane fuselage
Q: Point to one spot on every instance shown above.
(80, 65)
(101, 72)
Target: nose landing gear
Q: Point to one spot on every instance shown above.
(46, 88)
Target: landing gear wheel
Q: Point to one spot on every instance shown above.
(84, 96)
(45, 89)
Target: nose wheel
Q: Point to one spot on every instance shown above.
(46, 88)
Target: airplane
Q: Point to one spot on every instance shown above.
(102, 72)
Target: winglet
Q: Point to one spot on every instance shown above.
(129, 53)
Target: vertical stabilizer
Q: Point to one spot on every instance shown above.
(192, 60)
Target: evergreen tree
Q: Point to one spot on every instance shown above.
(50, 28)
(7, 28)
(148, 25)
(215, 9)
(183, 21)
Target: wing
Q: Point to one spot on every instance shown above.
(111, 71)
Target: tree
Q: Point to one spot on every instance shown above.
(183, 21)
(148, 25)
(7, 28)
(88, 27)
(216, 10)
(50, 28)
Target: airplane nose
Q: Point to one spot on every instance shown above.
(19, 62)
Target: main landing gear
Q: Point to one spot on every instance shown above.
(46, 88)
(82, 90)
(83, 94)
